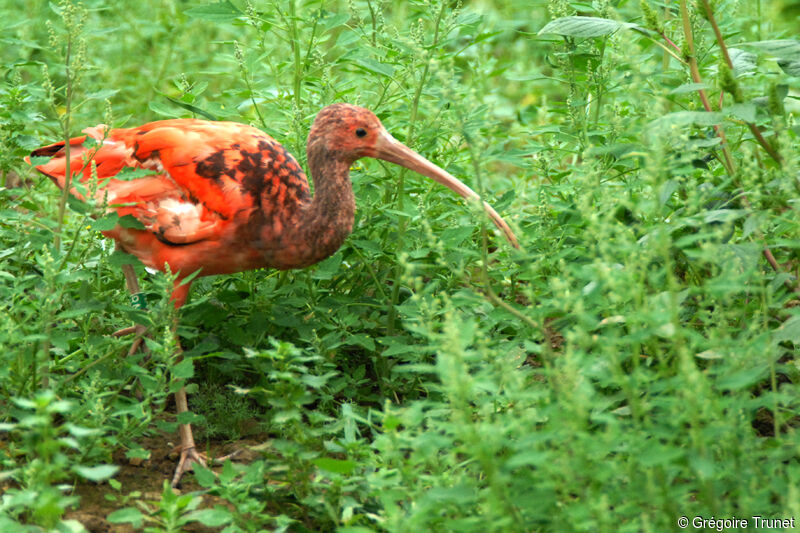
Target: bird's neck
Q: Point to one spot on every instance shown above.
(327, 220)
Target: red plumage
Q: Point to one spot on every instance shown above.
(209, 179)
(225, 197)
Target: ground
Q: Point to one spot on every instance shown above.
(148, 479)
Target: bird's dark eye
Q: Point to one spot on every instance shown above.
(360, 132)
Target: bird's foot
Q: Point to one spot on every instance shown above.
(190, 456)
(139, 331)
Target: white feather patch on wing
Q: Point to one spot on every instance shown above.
(154, 164)
(174, 213)
(183, 222)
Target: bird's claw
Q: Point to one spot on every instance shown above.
(190, 456)
(139, 331)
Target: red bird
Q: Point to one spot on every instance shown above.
(226, 197)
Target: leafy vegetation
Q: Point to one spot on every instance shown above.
(634, 363)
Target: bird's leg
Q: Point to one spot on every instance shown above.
(189, 454)
(138, 330)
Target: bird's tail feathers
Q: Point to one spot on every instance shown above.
(94, 150)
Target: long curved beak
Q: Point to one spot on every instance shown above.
(390, 149)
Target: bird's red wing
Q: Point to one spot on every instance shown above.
(210, 161)
(227, 189)
(173, 212)
(163, 209)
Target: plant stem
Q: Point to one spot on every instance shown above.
(392, 314)
(298, 69)
(246, 76)
(753, 128)
(695, 73)
(724, 49)
(374, 24)
(667, 16)
(62, 204)
(759, 15)
(488, 291)
(65, 127)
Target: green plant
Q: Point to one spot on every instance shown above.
(635, 362)
(41, 458)
(167, 515)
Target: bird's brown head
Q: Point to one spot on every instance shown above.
(349, 132)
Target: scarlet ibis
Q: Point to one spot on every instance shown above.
(225, 197)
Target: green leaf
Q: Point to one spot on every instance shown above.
(188, 417)
(659, 454)
(138, 453)
(709, 355)
(184, 369)
(20, 43)
(128, 514)
(328, 268)
(370, 65)
(96, 473)
(742, 378)
(528, 458)
(192, 108)
(743, 61)
(362, 340)
(723, 215)
(218, 12)
(130, 173)
(486, 35)
(227, 474)
(337, 466)
(752, 224)
(335, 20)
(792, 68)
(584, 27)
(81, 432)
(689, 88)
(788, 331)
(683, 118)
(787, 49)
(211, 517)
(79, 206)
(453, 237)
(106, 222)
(67, 526)
(119, 258)
(131, 222)
(163, 110)
(669, 187)
(102, 94)
(458, 493)
(702, 465)
(347, 38)
(315, 381)
(205, 477)
(744, 111)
